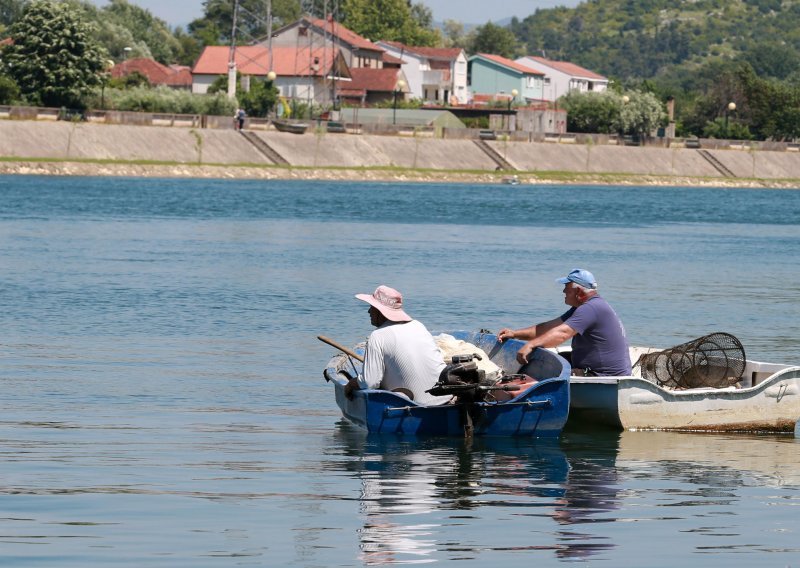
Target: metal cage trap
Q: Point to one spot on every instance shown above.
(716, 360)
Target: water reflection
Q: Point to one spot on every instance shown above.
(591, 492)
(415, 494)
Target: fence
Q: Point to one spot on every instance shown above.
(226, 122)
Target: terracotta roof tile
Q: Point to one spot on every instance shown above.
(375, 80)
(180, 78)
(254, 60)
(510, 64)
(567, 67)
(343, 34)
(155, 72)
(391, 59)
(447, 53)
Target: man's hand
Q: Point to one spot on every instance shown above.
(352, 385)
(505, 333)
(523, 353)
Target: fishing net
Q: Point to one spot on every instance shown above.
(716, 360)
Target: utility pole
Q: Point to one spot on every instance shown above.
(232, 55)
(269, 35)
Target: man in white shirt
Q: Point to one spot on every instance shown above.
(401, 355)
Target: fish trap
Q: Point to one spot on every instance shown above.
(713, 361)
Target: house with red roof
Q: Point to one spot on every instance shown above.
(312, 33)
(370, 86)
(307, 75)
(376, 74)
(504, 79)
(562, 77)
(434, 75)
(174, 76)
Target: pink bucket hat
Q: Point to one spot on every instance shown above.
(388, 301)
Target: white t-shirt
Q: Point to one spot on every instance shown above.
(403, 355)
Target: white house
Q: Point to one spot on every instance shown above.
(437, 75)
(300, 74)
(313, 33)
(561, 77)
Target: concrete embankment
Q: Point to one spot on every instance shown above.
(184, 151)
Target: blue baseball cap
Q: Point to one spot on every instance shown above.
(580, 277)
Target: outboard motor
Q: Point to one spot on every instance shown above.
(463, 380)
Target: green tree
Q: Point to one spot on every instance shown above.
(454, 35)
(390, 20)
(640, 114)
(216, 25)
(9, 90)
(129, 81)
(727, 130)
(144, 29)
(494, 39)
(773, 59)
(635, 112)
(260, 99)
(592, 112)
(54, 58)
(190, 47)
(10, 12)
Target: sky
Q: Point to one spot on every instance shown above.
(181, 12)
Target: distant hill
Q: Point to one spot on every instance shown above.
(505, 22)
(628, 39)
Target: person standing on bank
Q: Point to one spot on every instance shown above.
(239, 117)
(401, 354)
(599, 343)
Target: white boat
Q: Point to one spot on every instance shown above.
(766, 398)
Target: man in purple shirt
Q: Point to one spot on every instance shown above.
(599, 344)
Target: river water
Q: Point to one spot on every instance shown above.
(163, 401)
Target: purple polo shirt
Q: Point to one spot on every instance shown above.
(601, 344)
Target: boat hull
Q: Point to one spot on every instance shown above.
(632, 403)
(540, 410)
(291, 127)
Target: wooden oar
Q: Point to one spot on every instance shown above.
(341, 348)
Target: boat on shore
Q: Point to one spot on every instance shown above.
(291, 127)
(530, 401)
(765, 397)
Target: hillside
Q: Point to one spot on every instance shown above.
(643, 39)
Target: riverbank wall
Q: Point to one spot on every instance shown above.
(228, 151)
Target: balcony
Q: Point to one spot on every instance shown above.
(436, 78)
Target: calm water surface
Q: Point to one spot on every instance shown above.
(163, 401)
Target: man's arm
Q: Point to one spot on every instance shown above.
(374, 367)
(529, 333)
(553, 337)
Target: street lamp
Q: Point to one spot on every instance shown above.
(514, 94)
(398, 89)
(106, 73)
(730, 109)
(271, 76)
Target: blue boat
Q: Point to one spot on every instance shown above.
(530, 401)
